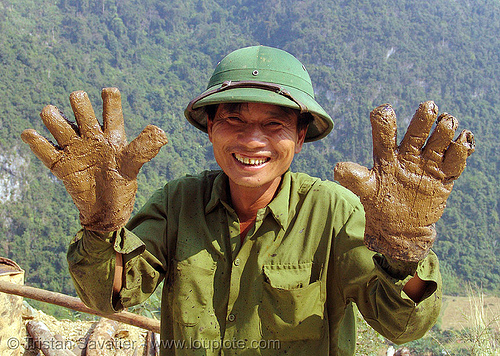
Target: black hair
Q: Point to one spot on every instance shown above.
(303, 119)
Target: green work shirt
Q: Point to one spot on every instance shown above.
(289, 288)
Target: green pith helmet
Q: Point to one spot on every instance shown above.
(264, 75)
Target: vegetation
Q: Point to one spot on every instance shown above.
(479, 336)
(360, 54)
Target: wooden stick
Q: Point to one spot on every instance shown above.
(75, 303)
(102, 337)
(150, 344)
(45, 341)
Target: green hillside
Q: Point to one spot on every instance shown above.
(360, 54)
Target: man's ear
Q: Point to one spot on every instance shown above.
(301, 138)
(209, 128)
(210, 112)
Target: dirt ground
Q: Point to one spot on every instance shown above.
(457, 313)
(463, 312)
(74, 336)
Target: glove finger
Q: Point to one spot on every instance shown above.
(418, 130)
(441, 137)
(41, 147)
(141, 150)
(60, 127)
(456, 155)
(384, 133)
(84, 114)
(356, 178)
(112, 116)
(438, 142)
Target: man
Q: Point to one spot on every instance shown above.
(257, 259)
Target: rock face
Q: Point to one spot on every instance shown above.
(20, 327)
(12, 170)
(11, 324)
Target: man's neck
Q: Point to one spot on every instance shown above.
(247, 201)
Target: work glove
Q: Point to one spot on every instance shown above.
(405, 192)
(95, 163)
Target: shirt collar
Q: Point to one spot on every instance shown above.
(219, 192)
(293, 188)
(279, 207)
(280, 204)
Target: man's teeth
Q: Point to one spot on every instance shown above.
(250, 161)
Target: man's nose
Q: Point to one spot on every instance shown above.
(253, 136)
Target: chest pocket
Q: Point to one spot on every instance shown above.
(292, 307)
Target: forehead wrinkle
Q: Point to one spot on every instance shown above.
(275, 111)
(231, 107)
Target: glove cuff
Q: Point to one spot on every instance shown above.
(410, 247)
(396, 268)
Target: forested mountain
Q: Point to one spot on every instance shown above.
(159, 53)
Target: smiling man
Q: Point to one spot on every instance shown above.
(254, 144)
(256, 259)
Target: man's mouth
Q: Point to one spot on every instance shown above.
(251, 161)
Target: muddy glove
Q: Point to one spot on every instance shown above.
(405, 192)
(96, 165)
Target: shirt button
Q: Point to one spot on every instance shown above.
(237, 262)
(231, 317)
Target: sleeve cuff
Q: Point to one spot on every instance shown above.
(396, 268)
(122, 241)
(399, 273)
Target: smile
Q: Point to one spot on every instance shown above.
(250, 161)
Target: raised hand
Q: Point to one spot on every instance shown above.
(96, 165)
(405, 192)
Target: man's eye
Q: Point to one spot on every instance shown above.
(234, 119)
(274, 124)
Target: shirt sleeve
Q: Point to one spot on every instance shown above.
(92, 257)
(376, 285)
(416, 318)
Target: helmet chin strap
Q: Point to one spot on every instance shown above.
(228, 84)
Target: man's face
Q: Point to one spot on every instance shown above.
(254, 143)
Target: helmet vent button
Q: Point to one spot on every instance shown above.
(255, 72)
